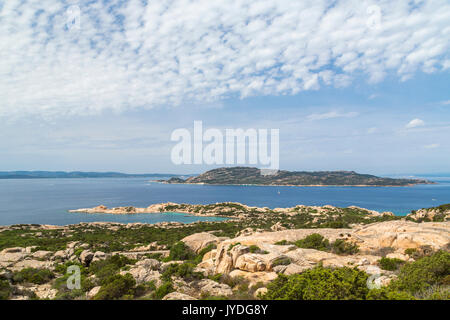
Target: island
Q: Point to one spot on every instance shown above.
(255, 176)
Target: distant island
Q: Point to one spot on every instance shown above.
(254, 176)
(76, 174)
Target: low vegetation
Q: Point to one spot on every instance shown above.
(32, 275)
(318, 242)
(426, 278)
(320, 284)
(390, 264)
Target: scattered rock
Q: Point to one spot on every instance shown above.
(41, 254)
(99, 255)
(86, 257)
(260, 292)
(177, 296)
(277, 227)
(214, 288)
(93, 292)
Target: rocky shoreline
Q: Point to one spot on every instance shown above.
(238, 259)
(224, 209)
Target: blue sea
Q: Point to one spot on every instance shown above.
(46, 201)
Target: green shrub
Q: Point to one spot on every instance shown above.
(202, 252)
(313, 241)
(387, 293)
(282, 243)
(144, 288)
(116, 287)
(390, 264)
(320, 283)
(105, 268)
(207, 249)
(179, 251)
(255, 249)
(318, 242)
(281, 261)
(5, 289)
(422, 274)
(163, 290)
(184, 270)
(215, 277)
(435, 292)
(64, 293)
(33, 275)
(78, 252)
(411, 252)
(343, 247)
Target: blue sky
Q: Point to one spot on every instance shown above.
(350, 85)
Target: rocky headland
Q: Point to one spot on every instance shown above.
(243, 258)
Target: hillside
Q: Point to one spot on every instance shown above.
(247, 175)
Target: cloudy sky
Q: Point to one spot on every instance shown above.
(101, 85)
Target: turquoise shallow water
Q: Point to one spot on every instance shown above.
(46, 201)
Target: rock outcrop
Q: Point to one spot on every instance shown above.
(198, 241)
(177, 296)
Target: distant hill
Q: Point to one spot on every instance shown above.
(75, 174)
(247, 175)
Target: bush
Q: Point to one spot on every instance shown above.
(411, 252)
(105, 268)
(32, 275)
(202, 252)
(320, 284)
(144, 288)
(255, 249)
(179, 251)
(64, 293)
(116, 287)
(313, 241)
(387, 293)
(390, 264)
(185, 271)
(281, 261)
(435, 292)
(163, 290)
(422, 274)
(5, 289)
(318, 242)
(343, 247)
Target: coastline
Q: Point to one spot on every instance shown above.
(230, 210)
(295, 185)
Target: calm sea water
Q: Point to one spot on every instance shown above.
(46, 201)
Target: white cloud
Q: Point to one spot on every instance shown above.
(331, 115)
(415, 123)
(432, 146)
(372, 130)
(445, 103)
(130, 55)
